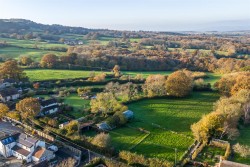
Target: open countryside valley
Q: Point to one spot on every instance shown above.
(73, 96)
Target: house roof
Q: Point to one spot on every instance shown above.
(48, 102)
(21, 151)
(7, 140)
(42, 152)
(49, 108)
(83, 125)
(39, 152)
(8, 92)
(26, 140)
(225, 163)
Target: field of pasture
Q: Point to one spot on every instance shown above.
(47, 74)
(243, 139)
(168, 122)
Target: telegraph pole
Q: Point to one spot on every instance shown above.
(175, 155)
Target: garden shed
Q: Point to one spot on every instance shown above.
(103, 126)
(128, 114)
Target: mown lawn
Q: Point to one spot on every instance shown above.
(77, 103)
(168, 121)
(47, 74)
(128, 136)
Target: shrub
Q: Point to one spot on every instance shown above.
(140, 160)
(243, 150)
(102, 140)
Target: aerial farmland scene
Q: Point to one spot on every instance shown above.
(125, 83)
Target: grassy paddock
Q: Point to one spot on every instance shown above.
(174, 117)
(47, 74)
(16, 53)
(244, 139)
(31, 43)
(77, 103)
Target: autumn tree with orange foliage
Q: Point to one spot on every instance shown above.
(230, 84)
(10, 69)
(179, 84)
(4, 109)
(28, 107)
(155, 85)
(49, 61)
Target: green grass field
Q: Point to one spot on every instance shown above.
(47, 74)
(212, 77)
(31, 43)
(77, 103)
(16, 53)
(243, 139)
(173, 116)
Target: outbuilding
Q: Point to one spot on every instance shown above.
(128, 114)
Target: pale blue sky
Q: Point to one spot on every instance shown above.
(159, 15)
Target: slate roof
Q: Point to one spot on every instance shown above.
(7, 140)
(8, 92)
(48, 102)
(26, 140)
(44, 110)
(21, 151)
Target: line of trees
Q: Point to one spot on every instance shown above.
(228, 111)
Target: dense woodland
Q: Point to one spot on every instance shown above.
(135, 51)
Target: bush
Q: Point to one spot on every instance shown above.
(140, 160)
(199, 84)
(102, 140)
(243, 150)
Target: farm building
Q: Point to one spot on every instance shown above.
(103, 126)
(128, 114)
(9, 94)
(86, 126)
